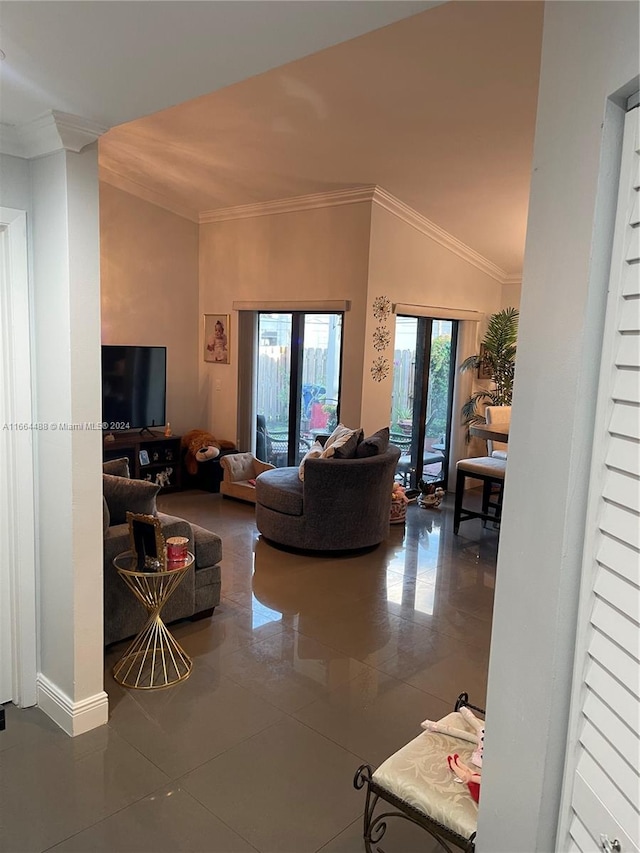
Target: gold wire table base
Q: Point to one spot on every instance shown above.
(154, 659)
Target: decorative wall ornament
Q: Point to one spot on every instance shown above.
(381, 338)
(381, 307)
(380, 369)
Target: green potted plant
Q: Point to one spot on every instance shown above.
(496, 361)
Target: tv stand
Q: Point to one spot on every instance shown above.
(156, 458)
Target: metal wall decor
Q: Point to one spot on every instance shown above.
(381, 307)
(381, 338)
(380, 369)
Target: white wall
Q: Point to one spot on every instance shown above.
(66, 348)
(313, 254)
(14, 182)
(149, 291)
(590, 50)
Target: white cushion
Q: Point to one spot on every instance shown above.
(338, 437)
(490, 466)
(419, 774)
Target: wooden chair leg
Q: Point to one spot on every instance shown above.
(486, 499)
(460, 481)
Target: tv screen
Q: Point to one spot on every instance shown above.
(134, 382)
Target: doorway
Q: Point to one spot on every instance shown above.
(423, 380)
(297, 382)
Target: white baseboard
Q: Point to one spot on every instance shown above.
(73, 717)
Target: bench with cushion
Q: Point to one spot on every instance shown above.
(417, 782)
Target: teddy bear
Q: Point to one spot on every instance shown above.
(201, 446)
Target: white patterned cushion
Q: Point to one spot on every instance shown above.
(316, 450)
(419, 774)
(338, 438)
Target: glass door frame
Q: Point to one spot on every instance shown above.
(295, 374)
(421, 396)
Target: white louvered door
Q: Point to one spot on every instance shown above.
(601, 793)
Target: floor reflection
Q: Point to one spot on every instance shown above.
(310, 663)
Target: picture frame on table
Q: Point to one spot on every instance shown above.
(216, 338)
(147, 542)
(144, 457)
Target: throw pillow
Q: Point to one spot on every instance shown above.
(347, 450)
(339, 432)
(338, 438)
(117, 467)
(123, 495)
(374, 444)
(314, 452)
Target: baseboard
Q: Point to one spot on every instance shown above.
(74, 718)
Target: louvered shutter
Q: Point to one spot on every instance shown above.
(602, 791)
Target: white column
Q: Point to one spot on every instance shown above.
(66, 338)
(590, 51)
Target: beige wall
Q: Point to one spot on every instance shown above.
(149, 291)
(309, 255)
(150, 271)
(354, 252)
(511, 295)
(407, 266)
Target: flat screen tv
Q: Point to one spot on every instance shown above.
(134, 386)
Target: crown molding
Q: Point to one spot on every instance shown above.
(416, 220)
(49, 132)
(141, 191)
(355, 195)
(312, 201)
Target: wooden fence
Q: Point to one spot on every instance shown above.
(274, 371)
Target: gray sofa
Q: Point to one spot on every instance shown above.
(199, 592)
(342, 504)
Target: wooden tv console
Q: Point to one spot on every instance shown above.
(151, 457)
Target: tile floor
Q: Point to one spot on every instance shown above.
(309, 667)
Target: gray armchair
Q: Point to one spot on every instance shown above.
(199, 592)
(342, 504)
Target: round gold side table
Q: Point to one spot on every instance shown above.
(154, 659)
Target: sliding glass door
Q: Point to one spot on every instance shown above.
(297, 382)
(424, 372)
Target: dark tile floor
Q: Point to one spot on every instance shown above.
(309, 667)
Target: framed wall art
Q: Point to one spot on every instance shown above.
(216, 338)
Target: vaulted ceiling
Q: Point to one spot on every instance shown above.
(438, 108)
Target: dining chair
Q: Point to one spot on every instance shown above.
(273, 445)
(490, 470)
(403, 468)
(497, 415)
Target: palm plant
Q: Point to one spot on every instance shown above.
(498, 361)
